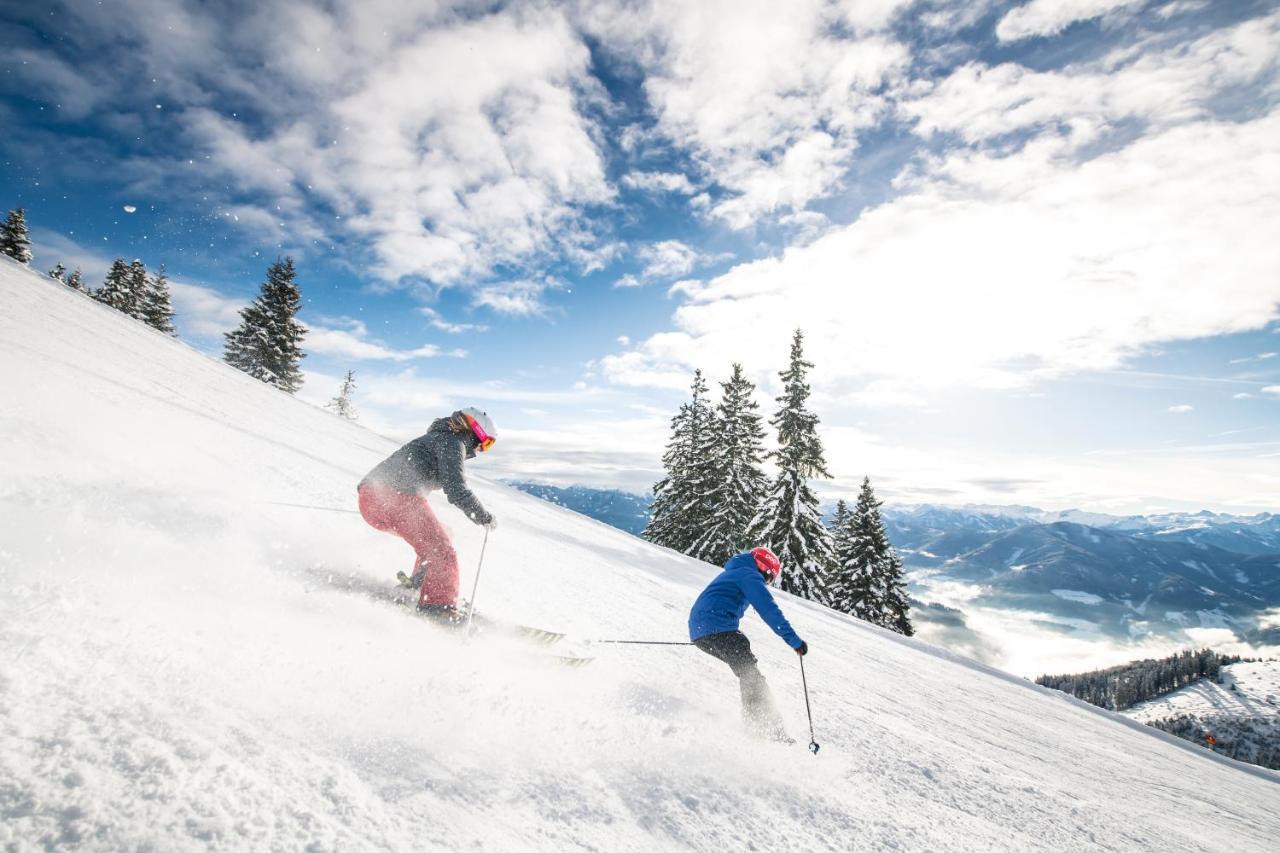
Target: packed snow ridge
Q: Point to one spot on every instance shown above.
(183, 665)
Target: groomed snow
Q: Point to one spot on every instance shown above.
(180, 668)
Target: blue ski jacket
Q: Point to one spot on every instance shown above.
(722, 604)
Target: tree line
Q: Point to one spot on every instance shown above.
(1252, 739)
(715, 499)
(1120, 687)
(266, 345)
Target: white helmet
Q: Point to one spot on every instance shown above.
(482, 425)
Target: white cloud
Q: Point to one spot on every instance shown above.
(1180, 7)
(49, 248)
(439, 322)
(1181, 409)
(1242, 396)
(1164, 87)
(768, 97)
(49, 77)
(667, 258)
(1050, 17)
(448, 144)
(353, 342)
(202, 312)
(1271, 389)
(521, 298)
(624, 341)
(658, 182)
(997, 271)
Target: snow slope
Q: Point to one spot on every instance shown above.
(180, 666)
(1248, 690)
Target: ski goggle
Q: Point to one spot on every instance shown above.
(486, 440)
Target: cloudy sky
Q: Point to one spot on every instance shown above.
(1033, 245)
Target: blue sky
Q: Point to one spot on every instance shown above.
(1031, 244)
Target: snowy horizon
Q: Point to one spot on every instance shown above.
(1031, 244)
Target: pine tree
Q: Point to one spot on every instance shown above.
(266, 345)
(58, 274)
(14, 241)
(869, 579)
(118, 289)
(679, 503)
(157, 309)
(341, 404)
(139, 285)
(839, 592)
(790, 522)
(73, 281)
(732, 450)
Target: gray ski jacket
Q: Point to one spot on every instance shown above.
(433, 461)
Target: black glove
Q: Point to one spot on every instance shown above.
(802, 649)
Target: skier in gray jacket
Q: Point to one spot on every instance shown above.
(393, 499)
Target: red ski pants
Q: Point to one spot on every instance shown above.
(410, 517)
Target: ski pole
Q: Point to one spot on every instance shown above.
(642, 642)
(471, 606)
(813, 743)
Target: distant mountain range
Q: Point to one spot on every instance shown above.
(1129, 576)
(623, 510)
(912, 527)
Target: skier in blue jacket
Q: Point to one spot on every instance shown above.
(713, 627)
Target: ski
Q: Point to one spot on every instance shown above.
(481, 624)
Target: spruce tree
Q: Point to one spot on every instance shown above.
(117, 289)
(839, 591)
(73, 281)
(266, 345)
(341, 404)
(870, 582)
(732, 450)
(14, 241)
(58, 274)
(139, 285)
(157, 309)
(679, 504)
(790, 522)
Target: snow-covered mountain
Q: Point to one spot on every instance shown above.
(183, 663)
(614, 507)
(916, 527)
(1130, 577)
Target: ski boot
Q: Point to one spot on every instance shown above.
(446, 615)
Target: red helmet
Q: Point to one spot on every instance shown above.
(768, 564)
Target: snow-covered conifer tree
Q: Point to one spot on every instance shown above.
(839, 592)
(679, 510)
(139, 285)
(58, 274)
(790, 522)
(732, 450)
(870, 581)
(74, 282)
(14, 241)
(117, 289)
(157, 309)
(266, 345)
(341, 404)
